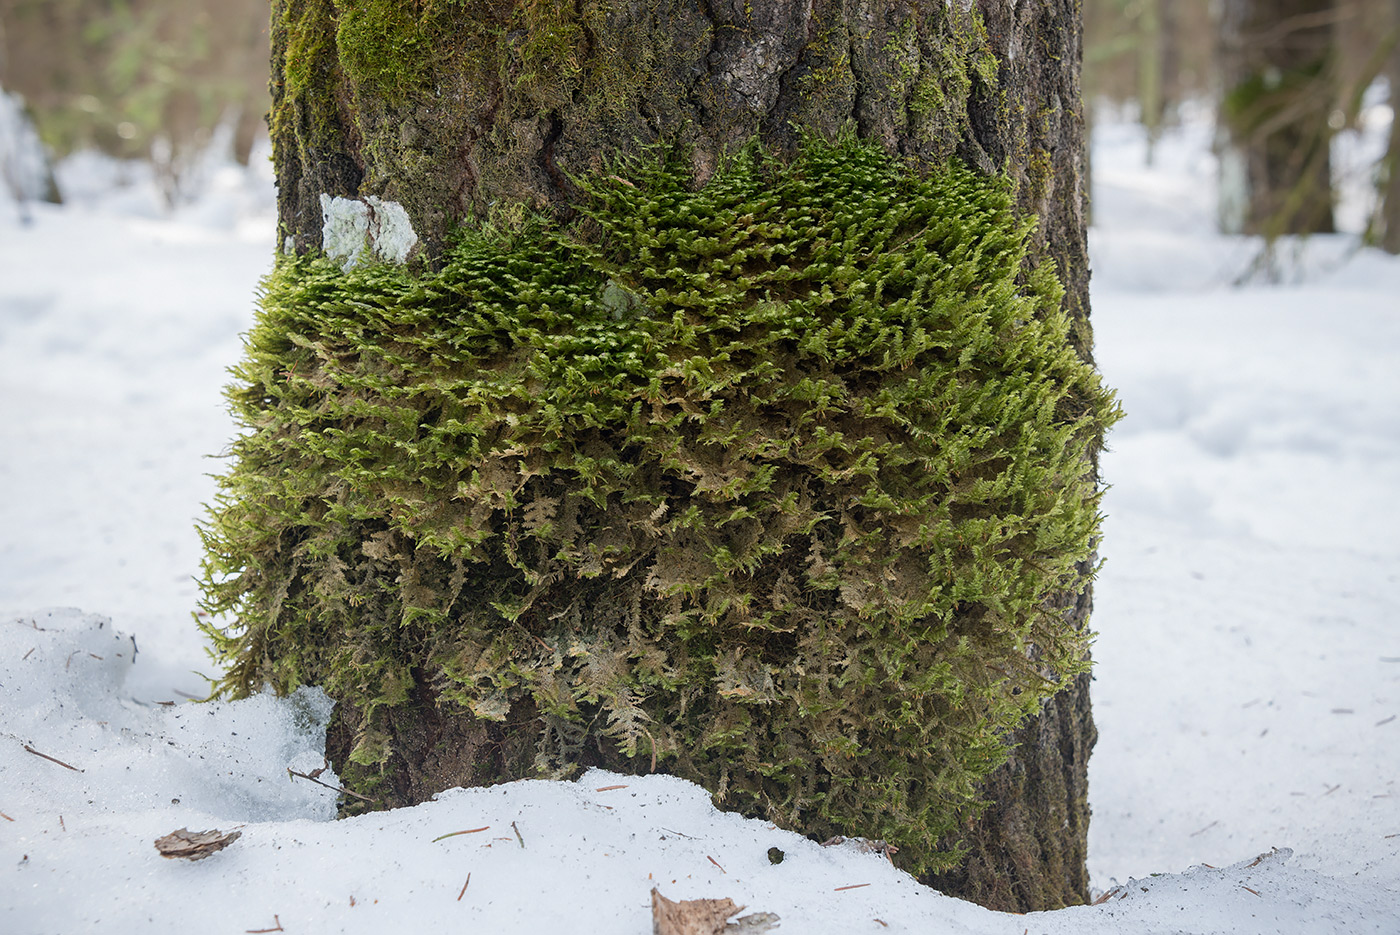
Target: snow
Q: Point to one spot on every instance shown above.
(1248, 659)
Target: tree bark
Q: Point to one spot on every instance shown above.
(458, 111)
(1279, 96)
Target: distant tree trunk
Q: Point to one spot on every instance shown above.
(458, 114)
(1276, 165)
(1390, 208)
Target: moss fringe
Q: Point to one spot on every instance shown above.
(770, 481)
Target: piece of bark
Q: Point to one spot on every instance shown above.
(195, 845)
(704, 917)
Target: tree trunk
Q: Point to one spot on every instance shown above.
(1279, 96)
(1390, 204)
(464, 110)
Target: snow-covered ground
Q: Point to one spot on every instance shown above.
(1248, 663)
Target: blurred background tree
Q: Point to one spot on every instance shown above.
(148, 79)
(153, 79)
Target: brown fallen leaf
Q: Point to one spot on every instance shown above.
(704, 917)
(195, 845)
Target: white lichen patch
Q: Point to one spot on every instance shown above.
(352, 228)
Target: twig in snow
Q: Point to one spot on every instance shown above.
(1378, 723)
(517, 836)
(1255, 892)
(61, 824)
(716, 863)
(464, 888)
(6, 817)
(28, 654)
(1205, 829)
(312, 778)
(853, 886)
(277, 927)
(50, 759)
(453, 834)
(609, 788)
(1333, 789)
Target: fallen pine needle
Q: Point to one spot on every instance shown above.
(609, 788)
(853, 886)
(1105, 897)
(61, 824)
(1255, 892)
(26, 655)
(883, 922)
(464, 888)
(6, 817)
(716, 863)
(312, 778)
(277, 927)
(50, 759)
(1205, 829)
(517, 836)
(453, 834)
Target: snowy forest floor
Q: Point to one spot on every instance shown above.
(1247, 665)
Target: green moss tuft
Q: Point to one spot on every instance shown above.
(770, 481)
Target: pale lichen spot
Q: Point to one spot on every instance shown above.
(352, 228)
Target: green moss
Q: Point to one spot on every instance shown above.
(770, 481)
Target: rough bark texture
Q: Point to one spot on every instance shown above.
(464, 109)
(1277, 70)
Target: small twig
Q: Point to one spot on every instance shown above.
(517, 835)
(1386, 838)
(51, 759)
(1332, 790)
(6, 817)
(61, 824)
(1255, 892)
(1378, 723)
(716, 863)
(277, 927)
(678, 834)
(853, 886)
(1205, 829)
(28, 654)
(307, 776)
(609, 788)
(453, 834)
(883, 922)
(464, 888)
(1105, 897)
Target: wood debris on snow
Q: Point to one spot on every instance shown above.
(704, 917)
(195, 845)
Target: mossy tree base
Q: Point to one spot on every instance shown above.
(466, 110)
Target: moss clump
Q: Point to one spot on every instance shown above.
(765, 484)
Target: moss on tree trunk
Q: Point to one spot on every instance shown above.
(470, 109)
